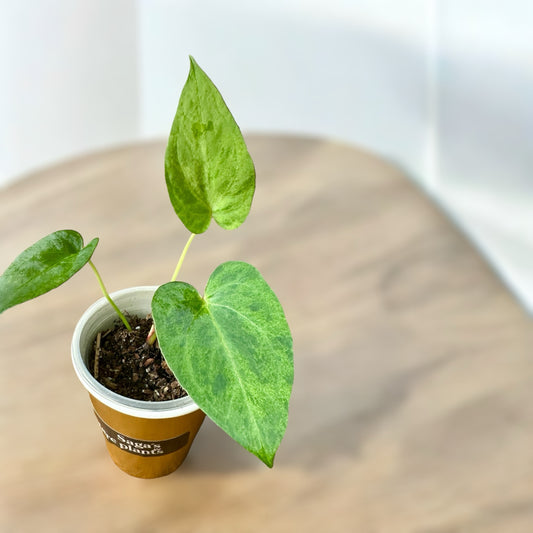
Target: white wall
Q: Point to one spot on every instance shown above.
(442, 87)
(349, 70)
(68, 79)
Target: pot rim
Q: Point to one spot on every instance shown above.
(86, 328)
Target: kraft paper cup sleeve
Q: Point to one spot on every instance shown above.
(147, 448)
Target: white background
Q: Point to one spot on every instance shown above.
(443, 88)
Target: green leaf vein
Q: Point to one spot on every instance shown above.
(236, 372)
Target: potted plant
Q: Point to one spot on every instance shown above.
(230, 349)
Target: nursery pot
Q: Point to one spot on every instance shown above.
(145, 439)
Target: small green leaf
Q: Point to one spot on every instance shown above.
(208, 170)
(232, 352)
(44, 266)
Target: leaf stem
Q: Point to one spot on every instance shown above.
(108, 298)
(151, 338)
(182, 257)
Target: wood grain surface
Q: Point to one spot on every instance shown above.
(412, 408)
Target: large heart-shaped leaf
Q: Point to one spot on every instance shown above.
(208, 170)
(232, 351)
(44, 266)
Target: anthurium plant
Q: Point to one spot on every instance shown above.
(230, 348)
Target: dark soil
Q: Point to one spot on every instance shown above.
(127, 365)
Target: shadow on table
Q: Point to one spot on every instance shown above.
(214, 451)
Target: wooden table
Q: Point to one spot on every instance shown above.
(412, 408)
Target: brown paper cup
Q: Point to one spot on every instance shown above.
(145, 439)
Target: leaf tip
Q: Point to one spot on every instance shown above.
(265, 457)
(268, 460)
(192, 62)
